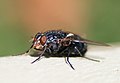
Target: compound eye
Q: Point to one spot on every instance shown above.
(43, 40)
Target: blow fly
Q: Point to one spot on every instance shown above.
(58, 43)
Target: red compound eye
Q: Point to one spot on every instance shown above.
(43, 40)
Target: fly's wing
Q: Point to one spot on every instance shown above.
(93, 42)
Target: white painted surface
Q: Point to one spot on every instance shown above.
(18, 69)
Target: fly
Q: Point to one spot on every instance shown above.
(59, 43)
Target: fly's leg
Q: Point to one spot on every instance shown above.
(78, 51)
(65, 60)
(40, 56)
(68, 62)
(29, 49)
(86, 57)
(91, 59)
(36, 60)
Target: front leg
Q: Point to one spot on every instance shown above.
(40, 56)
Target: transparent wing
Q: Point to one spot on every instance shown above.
(91, 42)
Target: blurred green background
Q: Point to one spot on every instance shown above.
(14, 37)
(106, 21)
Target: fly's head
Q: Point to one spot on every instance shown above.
(39, 41)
